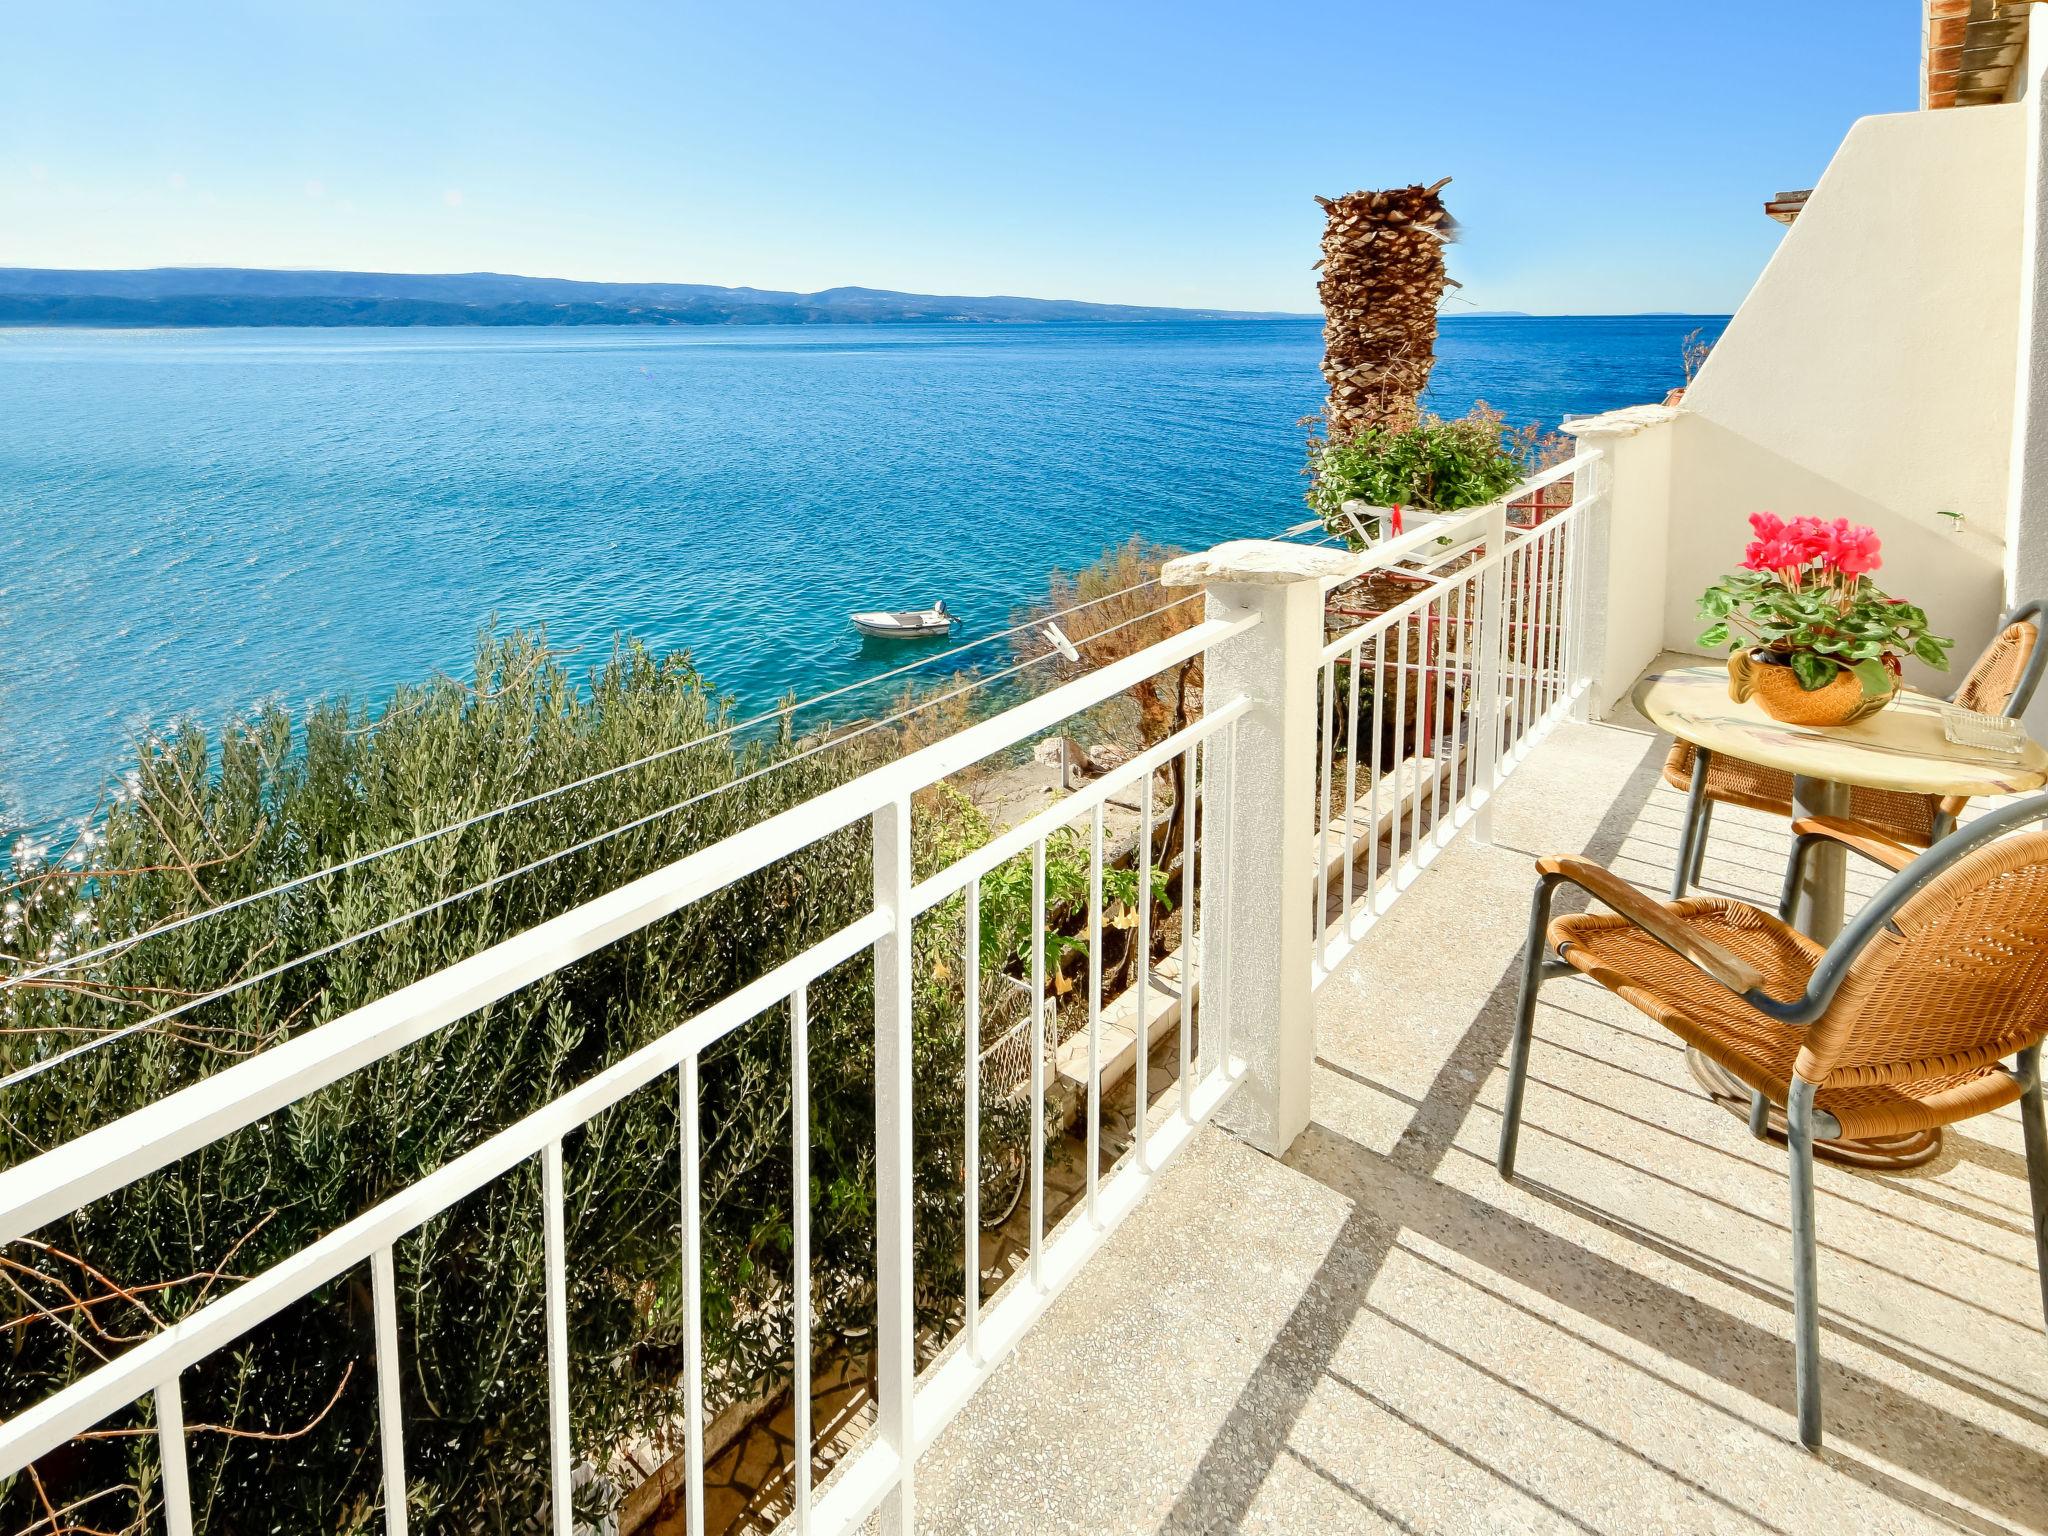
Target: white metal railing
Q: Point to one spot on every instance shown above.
(1428, 704)
(911, 1411)
(1489, 642)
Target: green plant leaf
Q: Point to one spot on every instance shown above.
(1875, 677)
(1933, 650)
(1813, 669)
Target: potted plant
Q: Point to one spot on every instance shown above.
(1811, 637)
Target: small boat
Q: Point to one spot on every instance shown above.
(908, 623)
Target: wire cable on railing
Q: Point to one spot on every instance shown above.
(829, 743)
(418, 839)
(242, 984)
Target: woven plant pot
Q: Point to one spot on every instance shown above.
(1775, 687)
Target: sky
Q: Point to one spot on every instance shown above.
(1606, 157)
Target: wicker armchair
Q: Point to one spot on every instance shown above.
(2002, 681)
(1901, 1024)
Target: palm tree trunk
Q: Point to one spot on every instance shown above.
(1383, 277)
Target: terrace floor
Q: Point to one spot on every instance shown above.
(1375, 1333)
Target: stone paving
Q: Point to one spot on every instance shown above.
(1376, 1334)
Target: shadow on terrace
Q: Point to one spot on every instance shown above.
(1376, 1333)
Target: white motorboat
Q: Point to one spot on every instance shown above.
(908, 623)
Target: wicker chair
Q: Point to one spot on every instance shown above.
(1901, 1024)
(2001, 682)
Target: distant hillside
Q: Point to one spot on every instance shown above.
(220, 296)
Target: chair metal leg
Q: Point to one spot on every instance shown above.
(1795, 876)
(1525, 1019)
(1805, 1265)
(1699, 841)
(1695, 829)
(1759, 1116)
(2034, 1122)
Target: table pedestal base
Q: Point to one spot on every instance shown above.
(1879, 1152)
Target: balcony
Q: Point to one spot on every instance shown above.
(1293, 1293)
(1376, 1333)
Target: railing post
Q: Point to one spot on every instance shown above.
(1486, 690)
(895, 1373)
(1260, 799)
(1592, 485)
(1625, 496)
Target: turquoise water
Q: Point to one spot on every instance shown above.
(193, 520)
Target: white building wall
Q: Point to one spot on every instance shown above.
(1869, 375)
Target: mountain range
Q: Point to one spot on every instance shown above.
(241, 296)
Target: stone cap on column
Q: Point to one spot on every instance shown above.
(1626, 422)
(1258, 563)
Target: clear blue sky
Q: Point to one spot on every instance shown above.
(1608, 157)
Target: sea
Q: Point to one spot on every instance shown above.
(192, 521)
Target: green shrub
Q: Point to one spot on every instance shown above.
(1435, 465)
(203, 821)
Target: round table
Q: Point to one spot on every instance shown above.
(1901, 747)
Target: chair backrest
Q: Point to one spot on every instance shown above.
(1955, 981)
(2003, 679)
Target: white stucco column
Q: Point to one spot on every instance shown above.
(2026, 517)
(1258, 814)
(1626, 536)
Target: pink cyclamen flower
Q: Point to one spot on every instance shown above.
(1812, 537)
(1853, 549)
(1775, 553)
(1763, 555)
(1763, 551)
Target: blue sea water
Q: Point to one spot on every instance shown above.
(194, 520)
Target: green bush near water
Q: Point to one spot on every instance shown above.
(203, 822)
